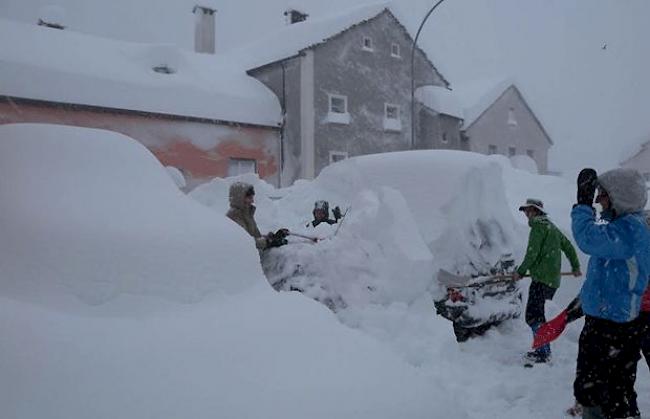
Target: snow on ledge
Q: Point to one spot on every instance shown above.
(337, 118)
(392, 124)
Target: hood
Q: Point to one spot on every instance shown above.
(238, 193)
(626, 189)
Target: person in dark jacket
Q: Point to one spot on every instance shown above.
(242, 211)
(321, 214)
(617, 277)
(543, 259)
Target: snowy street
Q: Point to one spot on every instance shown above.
(200, 333)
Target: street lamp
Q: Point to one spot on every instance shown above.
(415, 40)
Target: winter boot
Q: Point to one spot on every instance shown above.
(592, 412)
(535, 357)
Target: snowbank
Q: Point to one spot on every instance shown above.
(77, 221)
(88, 217)
(410, 213)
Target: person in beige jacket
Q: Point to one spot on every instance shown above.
(242, 211)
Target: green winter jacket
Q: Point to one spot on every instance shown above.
(543, 258)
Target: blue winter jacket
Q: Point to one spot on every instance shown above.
(619, 266)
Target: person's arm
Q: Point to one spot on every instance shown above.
(570, 252)
(535, 239)
(261, 242)
(600, 240)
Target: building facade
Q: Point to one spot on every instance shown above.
(350, 95)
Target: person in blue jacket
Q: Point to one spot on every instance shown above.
(617, 276)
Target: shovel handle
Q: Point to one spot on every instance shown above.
(314, 239)
(496, 279)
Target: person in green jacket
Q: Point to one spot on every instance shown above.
(544, 261)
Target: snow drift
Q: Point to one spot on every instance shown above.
(77, 221)
(409, 214)
(98, 248)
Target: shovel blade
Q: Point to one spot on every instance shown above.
(550, 330)
(450, 280)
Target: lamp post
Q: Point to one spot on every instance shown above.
(415, 40)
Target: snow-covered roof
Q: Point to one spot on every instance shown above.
(633, 149)
(476, 96)
(68, 67)
(469, 100)
(440, 99)
(292, 39)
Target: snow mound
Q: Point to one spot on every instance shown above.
(457, 200)
(177, 176)
(409, 214)
(78, 222)
(523, 162)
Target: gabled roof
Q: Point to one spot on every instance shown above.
(477, 97)
(62, 66)
(293, 39)
(634, 150)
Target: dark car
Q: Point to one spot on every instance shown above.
(483, 303)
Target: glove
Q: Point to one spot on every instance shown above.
(587, 182)
(282, 233)
(337, 213)
(278, 238)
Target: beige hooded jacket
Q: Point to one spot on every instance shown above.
(243, 215)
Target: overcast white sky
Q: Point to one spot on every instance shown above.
(592, 101)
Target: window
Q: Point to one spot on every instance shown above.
(512, 121)
(531, 153)
(338, 109)
(238, 167)
(391, 111)
(392, 121)
(367, 43)
(338, 104)
(512, 151)
(444, 138)
(394, 50)
(492, 149)
(337, 156)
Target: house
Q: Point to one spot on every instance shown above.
(498, 120)
(640, 161)
(344, 84)
(200, 113)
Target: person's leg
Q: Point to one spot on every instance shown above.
(645, 336)
(623, 344)
(591, 371)
(538, 293)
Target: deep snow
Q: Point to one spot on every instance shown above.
(122, 297)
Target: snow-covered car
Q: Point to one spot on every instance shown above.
(483, 303)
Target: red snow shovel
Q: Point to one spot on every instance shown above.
(553, 328)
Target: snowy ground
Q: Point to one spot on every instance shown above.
(122, 297)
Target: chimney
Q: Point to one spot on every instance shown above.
(204, 29)
(295, 16)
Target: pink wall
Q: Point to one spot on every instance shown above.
(200, 149)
